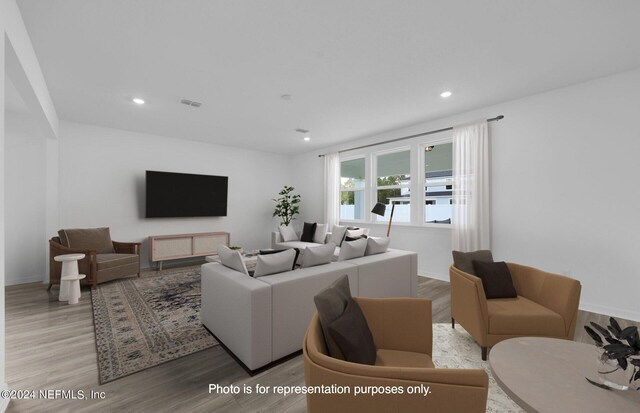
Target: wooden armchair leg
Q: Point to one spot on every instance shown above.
(453, 323)
(484, 353)
(49, 287)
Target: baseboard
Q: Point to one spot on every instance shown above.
(610, 311)
(4, 403)
(24, 280)
(433, 275)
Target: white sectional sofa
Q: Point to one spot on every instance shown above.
(261, 320)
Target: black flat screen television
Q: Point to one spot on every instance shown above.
(172, 194)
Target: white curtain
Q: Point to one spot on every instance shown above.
(332, 189)
(471, 216)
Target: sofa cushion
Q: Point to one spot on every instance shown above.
(521, 316)
(275, 263)
(232, 259)
(376, 246)
(297, 244)
(337, 234)
(318, 255)
(272, 251)
(98, 239)
(107, 261)
(397, 358)
(496, 279)
(331, 303)
(308, 230)
(352, 249)
(464, 260)
(288, 233)
(320, 235)
(352, 334)
(355, 233)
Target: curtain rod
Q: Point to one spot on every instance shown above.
(497, 118)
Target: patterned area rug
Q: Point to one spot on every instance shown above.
(142, 322)
(456, 349)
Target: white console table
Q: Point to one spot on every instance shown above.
(176, 246)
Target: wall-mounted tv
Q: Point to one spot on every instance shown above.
(172, 194)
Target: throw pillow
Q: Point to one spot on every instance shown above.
(271, 251)
(352, 249)
(318, 255)
(98, 239)
(275, 263)
(232, 259)
(376, 246)
(337, 234)
(321, 233)
(308, 231)
(331, 303)
(288, 233)
(352, 334)
(496, 279)
(464, 260)
(356, 233)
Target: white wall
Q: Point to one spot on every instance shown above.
(25, 201)
(565, 194)
(102, 183)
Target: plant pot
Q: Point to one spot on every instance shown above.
(612, 375)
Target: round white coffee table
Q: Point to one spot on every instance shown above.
(69, 278)
(548, 375)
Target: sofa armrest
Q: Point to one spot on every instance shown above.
(558, 293)
(276, 238)
(469, 302)
(402, 324)
(237, 309)
(127, 247)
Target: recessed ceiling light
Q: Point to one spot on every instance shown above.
(307, 139)
(445, 94)
(138, 101)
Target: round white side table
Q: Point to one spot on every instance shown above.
(69, 278)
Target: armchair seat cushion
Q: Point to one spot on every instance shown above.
(108, 261)
(521, 316)
(396, 358)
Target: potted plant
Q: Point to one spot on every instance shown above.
(619, 361)
(287, 205)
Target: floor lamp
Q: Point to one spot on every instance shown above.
(380, 208)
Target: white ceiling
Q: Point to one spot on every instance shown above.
(353, 67)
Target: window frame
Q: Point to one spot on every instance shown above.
(374, 182)
(364, 190)
(423, 181)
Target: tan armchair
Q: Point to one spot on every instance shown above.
(402, 332)
(547, 306)
(104, 260)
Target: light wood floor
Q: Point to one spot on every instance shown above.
(51, 346)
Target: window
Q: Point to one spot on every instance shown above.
(393, 181)
(352, 182)
(438, 183)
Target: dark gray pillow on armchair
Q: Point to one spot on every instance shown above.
(352, 334)
(331, 303)
(464, 260)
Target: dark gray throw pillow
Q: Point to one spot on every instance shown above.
(464, 260)
(307, 231)
(351, 333)
(496, 279)
(330, 304)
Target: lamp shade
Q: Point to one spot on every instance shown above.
(379, 209)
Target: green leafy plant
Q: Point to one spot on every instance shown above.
(619, 344)
(287, 205)
(235, 247)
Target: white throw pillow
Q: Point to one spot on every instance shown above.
(355, 233)
(318, 255)
(321, 233)
(275, 263)
(288, 233)
(337, 234)
(352, 249)
(232, 259)
(376, 245)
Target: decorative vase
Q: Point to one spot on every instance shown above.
(612, 375)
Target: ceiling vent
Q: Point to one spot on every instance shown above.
(190, 103)
(302, 130)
